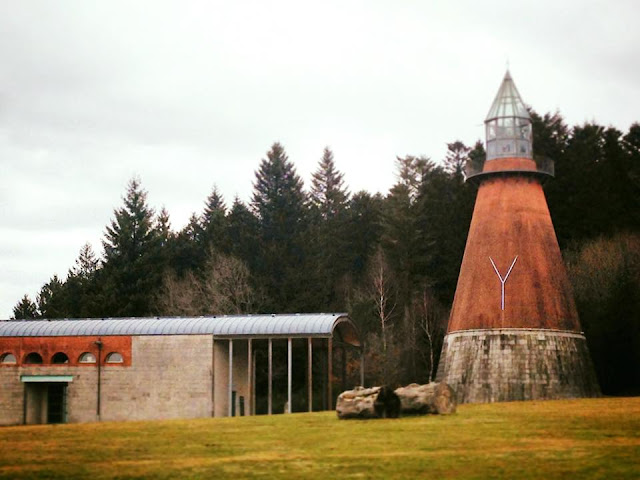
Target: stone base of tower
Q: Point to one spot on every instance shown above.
(500, 365)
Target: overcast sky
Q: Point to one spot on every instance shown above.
(188, 95)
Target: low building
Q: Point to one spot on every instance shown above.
(154, 368)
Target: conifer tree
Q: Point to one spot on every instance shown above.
(328, 192)
(51, 301)
(279, 204)
(214, 222)
(364, 218)
(25, 309)
(327, 243)
(243, 233)
(83, 292)
(132, 262)
(189, 252)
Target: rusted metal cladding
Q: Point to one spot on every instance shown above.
(511, 219)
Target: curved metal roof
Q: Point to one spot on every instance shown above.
(290, 325)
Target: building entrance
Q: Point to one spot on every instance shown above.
(45, 399)
(56, 402)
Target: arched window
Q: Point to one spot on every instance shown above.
(114, 357)
(87, 357)
(8, 358)
(60, 358)
(33, 358)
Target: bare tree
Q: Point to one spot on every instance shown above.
(430, 316)
(224, 288)
(382, 292)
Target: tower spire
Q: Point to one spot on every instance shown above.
(508, 123)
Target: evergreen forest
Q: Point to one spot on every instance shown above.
(391, 261)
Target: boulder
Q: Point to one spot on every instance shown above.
(436, 398)
(374, 402)
(383, 402)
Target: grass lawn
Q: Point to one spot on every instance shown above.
(594, 438)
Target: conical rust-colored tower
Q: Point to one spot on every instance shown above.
(514, 332)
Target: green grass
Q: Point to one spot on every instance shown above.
(595, 438)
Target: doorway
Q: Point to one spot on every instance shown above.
(56, 402)
(45, 403)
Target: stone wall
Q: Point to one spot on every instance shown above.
(496, 365)
(170, 376)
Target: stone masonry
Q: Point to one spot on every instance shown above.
(170, 376)
(493, 365)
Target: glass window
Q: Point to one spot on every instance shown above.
(87, 357)
(114, 357)
(60, 358)
(33, 358)
(8, 358)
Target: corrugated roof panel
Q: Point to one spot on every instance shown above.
(179, 324)
(201, 325)
(226, 326)
(45, 329)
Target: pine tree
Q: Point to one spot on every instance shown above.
(456, 158)
(83, 288)
(51, 299)
(328, 256)
(188, 253)
(279, 204)
(243, 233)
(364, 218)
(25, 309)
(443, 215)
(132, 264)
(328, 193)
(163, 226)
(214, 222)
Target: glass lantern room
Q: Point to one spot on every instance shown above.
(508, 124)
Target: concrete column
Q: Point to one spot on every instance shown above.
(213, 377)
(270, 393)
(344, 368)
(249, 403)
(310, 373)
(230, 387)
(289, 375)
(330, 373)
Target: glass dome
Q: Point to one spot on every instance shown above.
(508, 124)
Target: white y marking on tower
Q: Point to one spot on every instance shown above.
(503, 280)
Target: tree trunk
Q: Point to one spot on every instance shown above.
(374, 402)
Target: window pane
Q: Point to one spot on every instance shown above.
(114, 357)
(8, 358)
(60, 358)
(87, 357)
(33, 358)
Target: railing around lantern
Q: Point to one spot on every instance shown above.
(475, 168)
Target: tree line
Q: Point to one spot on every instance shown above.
(391, 261)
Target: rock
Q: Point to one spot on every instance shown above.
(382, 402)
(357, 403)
(437, 398)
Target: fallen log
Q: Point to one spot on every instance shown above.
(374, 402)
(435, 398)
(382, 402)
